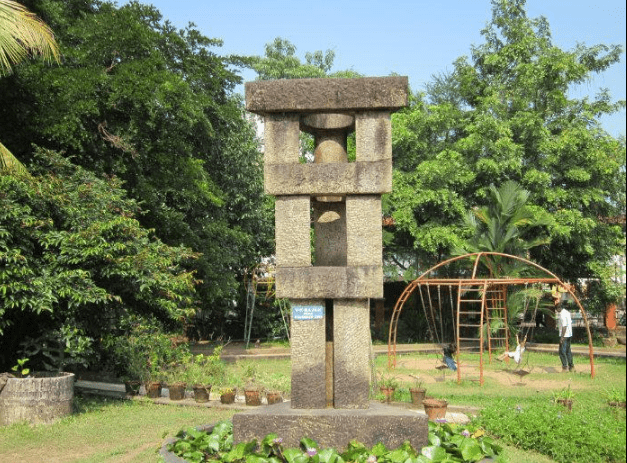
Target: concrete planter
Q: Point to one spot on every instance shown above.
(40, 399)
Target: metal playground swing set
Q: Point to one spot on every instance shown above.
(476, 318)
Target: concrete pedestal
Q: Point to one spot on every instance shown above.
(332, 427)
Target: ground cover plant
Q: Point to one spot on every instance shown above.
(447, 443)
(588, 434)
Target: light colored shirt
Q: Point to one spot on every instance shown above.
(564, 320)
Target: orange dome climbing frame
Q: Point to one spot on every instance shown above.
(489, 303)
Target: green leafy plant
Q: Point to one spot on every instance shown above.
(452, 442)
(417, 382)
(387, 381)
(57, 349)
(564, 394)
(616, 395)
(541, 425)
(447, 443)
(20, 370)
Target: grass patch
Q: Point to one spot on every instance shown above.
(103, 430)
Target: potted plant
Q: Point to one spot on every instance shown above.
(274, 397)
(565, 397)
(252, 390)
(388, 385)
(417, 392)
(175, 380)
(435, 408)
(252, 393)
(227, 395)
(616, 398)
(154, 381)
(199, 376)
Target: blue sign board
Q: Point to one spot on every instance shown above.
(307, 312)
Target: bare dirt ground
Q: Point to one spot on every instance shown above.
(545, 377)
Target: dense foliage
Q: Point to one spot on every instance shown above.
(153, 106)
(447, 443)
(587, 434)
(505, 114)
(74, 258)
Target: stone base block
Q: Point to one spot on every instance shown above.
(332, 427)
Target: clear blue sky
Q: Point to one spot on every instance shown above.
(415, 38)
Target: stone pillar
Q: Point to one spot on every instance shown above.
(331, 290)
(329, 295)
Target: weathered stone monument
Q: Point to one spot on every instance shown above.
(329, 289)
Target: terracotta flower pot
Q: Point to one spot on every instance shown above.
(177, 391)
(388, 392)
(253, 397)
(435, 408)
(274, 397)
(201, 393)
(417, 396)
(227, 397)
(153, 389)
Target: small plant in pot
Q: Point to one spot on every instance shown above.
(199, 377)
(616, 398)
(435, 408)
(227, 395)
(417, 392)
(274, 397)
(252, 393)
(565, 397)
(252, 390)
(175, 379)
(388, 385)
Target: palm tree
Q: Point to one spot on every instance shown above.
(500, 225)
(22, 34)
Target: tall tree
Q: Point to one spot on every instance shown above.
(280, 62)
(21, 33)
(506, 114)
(75, 258)
(152, 105)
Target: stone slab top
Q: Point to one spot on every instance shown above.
(327, 95)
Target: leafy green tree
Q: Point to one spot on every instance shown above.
(280, 62)
(505, 114)
(74, 258)
(138, 99)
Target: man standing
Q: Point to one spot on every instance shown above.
(565, 327)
